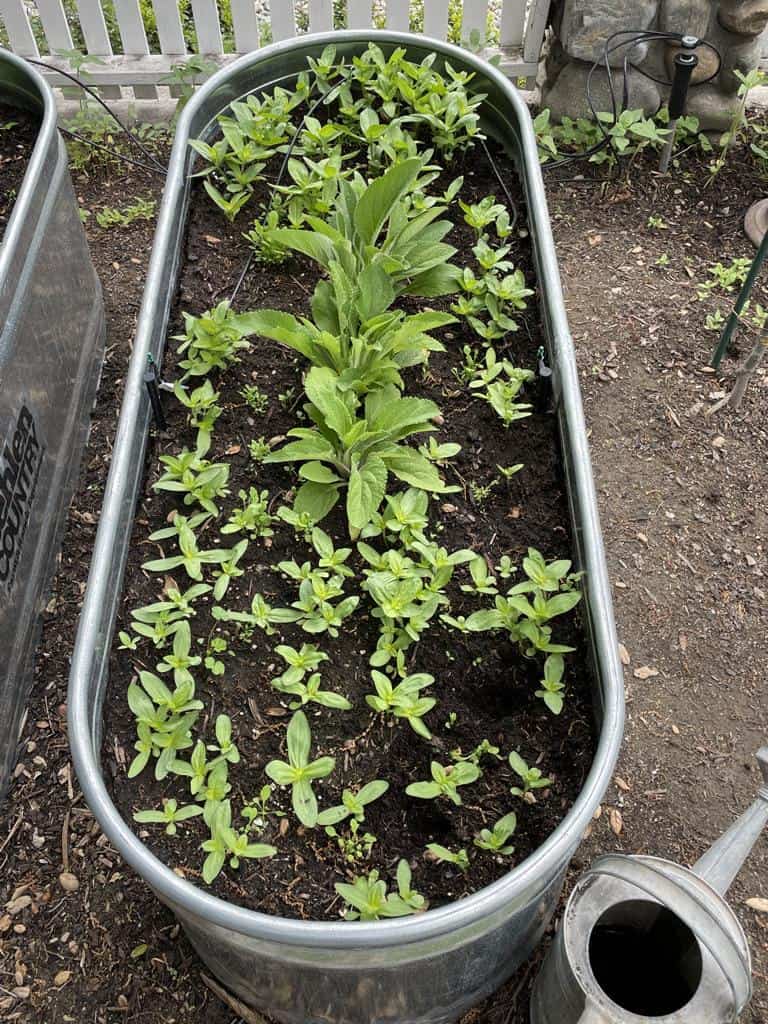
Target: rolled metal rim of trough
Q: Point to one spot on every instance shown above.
(552, 855)
(40, 96)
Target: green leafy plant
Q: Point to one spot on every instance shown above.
(496, 839)
(357, 452)
(353, 804)
(501, 384)
(252, 517)
(552, 685)
(355, 846)
(310, 692)
(191, 558)
(403, 700)
(226, 842)
(112, 216)
(299, 772)
(191, 474)
(445, 782)
(368, 900)
(459, 858)
(532, 778)
(170, 815)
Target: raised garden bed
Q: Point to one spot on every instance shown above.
(478, 696)
(51, 347)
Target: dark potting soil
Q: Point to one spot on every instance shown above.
(485, 688)
(18, 132)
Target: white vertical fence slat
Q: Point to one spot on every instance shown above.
(13, 15)
(474, 17)
(246, 26)
(534, 30)
(436, 18)
(359, 14)
(320, 15)
(169, 29)
(283, 19)
(512, 27)
(55, 25)
(96, 36)
(522, 28)
(206, 17)
(399, 15)
(131, 27)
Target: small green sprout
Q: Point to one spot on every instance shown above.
(170, 815)
(532, 778)
(443, 855)
(227, 842)
(353, 804)
(445, 781)
(299, 772)
(224, 746)
(495, 839)
(552, 685)
(368, 900)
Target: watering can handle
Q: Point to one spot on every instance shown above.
(692, 911)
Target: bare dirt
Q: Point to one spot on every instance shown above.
(683, 503)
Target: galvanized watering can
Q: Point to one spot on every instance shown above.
(645, 939)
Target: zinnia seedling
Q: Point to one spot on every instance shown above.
(170, 815)
(495, 839)
(445, 781)
(532, 778)
(354, 804)
(299, 772)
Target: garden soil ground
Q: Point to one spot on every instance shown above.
(682, 497)
(18, 131)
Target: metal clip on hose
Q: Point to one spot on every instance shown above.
(686, 62)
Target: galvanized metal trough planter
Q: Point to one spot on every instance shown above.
(431, 967)
(51, 349)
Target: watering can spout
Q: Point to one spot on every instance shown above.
(722, 862)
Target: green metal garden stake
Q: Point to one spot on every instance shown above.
(741, 301)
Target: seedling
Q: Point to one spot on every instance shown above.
(227, 842)
(355, 846)
(445, 781)
(442, 854)
(170, 815)
(495, 839)
(353, 804)
(552, 686)
(368, 900)
(532, 778)
(299, 772)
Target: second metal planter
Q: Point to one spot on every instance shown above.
(51, 348)
(428, 968)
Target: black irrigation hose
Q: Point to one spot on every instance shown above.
(124, 128)
(497, 172)
(636, 37)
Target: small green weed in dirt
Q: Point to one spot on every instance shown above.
(113, 216)
(658, 223)
(725, 276)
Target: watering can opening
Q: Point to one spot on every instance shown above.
(645, 958)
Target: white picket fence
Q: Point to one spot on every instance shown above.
(44, 28)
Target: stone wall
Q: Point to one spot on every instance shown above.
(583, 26)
